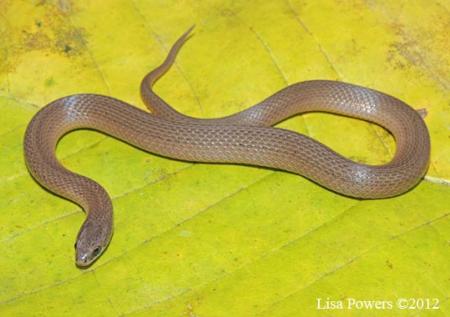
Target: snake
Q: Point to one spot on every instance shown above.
(247, 137)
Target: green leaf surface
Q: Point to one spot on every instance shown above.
(223, 240)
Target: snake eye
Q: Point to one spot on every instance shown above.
(96, 251)
(75, 245)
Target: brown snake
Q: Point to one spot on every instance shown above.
(243, 138)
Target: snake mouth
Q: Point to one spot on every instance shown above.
(86, 259)
(83, 261)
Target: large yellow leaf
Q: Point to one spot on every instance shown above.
(223, 240)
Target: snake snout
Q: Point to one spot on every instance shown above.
(82, 260)
(86, 258)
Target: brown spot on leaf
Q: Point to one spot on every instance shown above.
(35, 41)
(389, 264)
(47, 29)
(71, 41)
(65, 6)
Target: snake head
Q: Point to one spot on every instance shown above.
(92, 240)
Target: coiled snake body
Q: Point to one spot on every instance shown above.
(246, 137)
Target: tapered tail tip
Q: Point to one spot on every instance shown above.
(189, 30)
